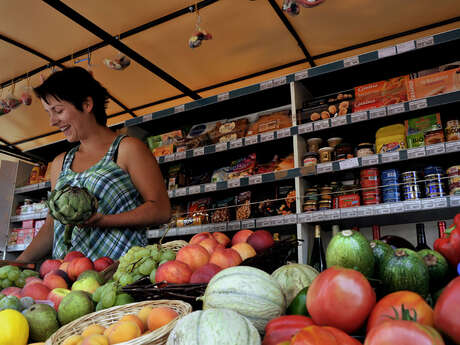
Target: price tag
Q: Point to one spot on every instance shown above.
(322, 124)
(365, 211)
(424, 42)
(255, 179)
(440, 202)
(223, 97)
(453, 146)
(350, 212)
(158, 159)
(180, 192)
(405, 47)
(324, 168)
(279, 81)
(210, 187)
(304, 217)
(390, 157)
(317, 216)
(267, 136)
(432, 203)
(283, 133)
(305, 128)
(349, 163)
(170, 193)
(233, 183)
(266, 85)
(147, 118)
(382, 209)
(351, 61)
(396, 207)
(153, 234)
(180, 155)
(234, 225)
(263, 222)
(278, 220)
(194, 189)
(327, 214)
(179, 109)
(370, 160)
(236, 143)
(301, 75)
(394, 109)
(253, 139)
(359, 116)
(412, 205)
(290, 219)
(199, 151)
(376, 113)
(339, 121)
(454, 201)
(418, 104)
(206, 228)
(194, 229)
(416, 152)
(387, 51)
(221, 147)
(248, 224)
(435, 149)
(170, 157)
(220, 227)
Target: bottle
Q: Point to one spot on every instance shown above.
(441, 229)
(317, 258)
(421, 239)
(335, 229)
(355, 228)
(375, 232)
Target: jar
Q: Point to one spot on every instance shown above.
(312, 194)
(344, 149)
(314, 144)
(325, 205)
(310, 159)
(325, 154)
(326, 193)
(364, 149)
(27, 207)
(453, 130)
(333, 142)
(310, 206)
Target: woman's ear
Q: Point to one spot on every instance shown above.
(88, 104)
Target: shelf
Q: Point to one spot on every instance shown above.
(33, 187)
(29, 216)
(16, 247)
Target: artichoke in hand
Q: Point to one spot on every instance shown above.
(71, 206)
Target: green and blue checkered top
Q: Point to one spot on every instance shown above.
(116, 193)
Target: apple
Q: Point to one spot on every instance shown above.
(56, 296)
(241, 236)
(49, 265)
(12, 291)
(221, 238)
(209, 244)
(193, 255)
(62, 274)
(204, 273)
(33, 279)
(88, 284)
(225, 257)
(65, 266)
(196, 239)
(78, 266)
(261, 240)
(174, 272)
(102, 263)
(73, 255)
(38, 291)
(54, 281)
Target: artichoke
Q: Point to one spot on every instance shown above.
(71, 206)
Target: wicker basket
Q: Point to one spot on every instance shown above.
(109, 316)
(175, 245)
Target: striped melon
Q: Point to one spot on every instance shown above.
(293, 278)
(214, 327)
(247, 290)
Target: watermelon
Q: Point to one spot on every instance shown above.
(438, 268)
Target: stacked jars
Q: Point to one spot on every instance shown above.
(311, 199)
(454, 179)
(370, 182)
(434, 186)
(390, 183)
(410, 185)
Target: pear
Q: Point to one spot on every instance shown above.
(42, 320)
(74, 305)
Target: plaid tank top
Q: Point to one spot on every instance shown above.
(116, 193)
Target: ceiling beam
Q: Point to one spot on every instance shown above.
(117, 44)
(21, 155)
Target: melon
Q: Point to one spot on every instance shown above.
(214, 327)
(248, 291)
(293, 278)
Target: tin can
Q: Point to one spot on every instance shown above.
(434, 187)
(391, 194)
(453, 130)
(325, 205)
(433, 169)
(311, 194)
(454, 178)
(411, 191)
(390, 175)
(371, 197)
(409, 176)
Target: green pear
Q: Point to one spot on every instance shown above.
(42, 321)
(88, 284)
(94, 274)
(74, 305)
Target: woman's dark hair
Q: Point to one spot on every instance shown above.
(74, 85)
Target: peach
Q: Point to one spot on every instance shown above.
(37, 291)
(200, 237)
(204, 273)
(65, 266)
(245, 250)
(261, 240)
(62, 274)
(78, 266)
(75, 339)
(12, 291)
(53, 281)
(134, 318)
(209, 244)
(225, 257)
(49, 265)
(95, 339)
(122, 331)
(93, 329)
(160, 316)
(73, 255)
(221, 238)
(56, 296)
(193, 255)
(241, 236)
(143, 314)
(33, 279)
(102, 263)
(175, 272)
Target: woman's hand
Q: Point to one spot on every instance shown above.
(93, 222)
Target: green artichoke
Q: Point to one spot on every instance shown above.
(71, 206)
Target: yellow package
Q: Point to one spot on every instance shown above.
(390, 138)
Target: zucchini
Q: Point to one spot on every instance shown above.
(298, 305)
(438, 268)
(380, 249)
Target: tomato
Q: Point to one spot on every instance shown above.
(402, 332)
(341, 298)
(341, 337)
(446, 315)
(383, 310)
(316, 335)
(284, 327)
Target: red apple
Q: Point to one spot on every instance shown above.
(261, 240)
(78, 266)
(209, 244)
(102, 263)
(49, 265)
(54, 281)
(62, 274)
(33, 279)
(204, 273)
(12, 291)
(174, 272)
(200, 237)
(56, 296)
(193, 255)
(37, 291)
(245, 250)
(225, 257)
(241, 236)
(221, 238)
(73, 255)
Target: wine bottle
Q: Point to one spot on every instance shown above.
(441, 229)
(421, 239)
(375, 232)
(317, 258)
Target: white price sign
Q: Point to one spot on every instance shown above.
(396, 207)
(305, 217)
(253, 139)
(339, 121)
(435, 149)
(266, 85)
(279, 81)
(170, 157)
(349, 163)
(351, 61)
(359, 116)
(220, 227)
(382, 209)
(394, 109)
(180, 155)
(390, 157)
(305, 128)
(278, 220)
(147, 117)
(199, 151)
(234, 225)
(223, 97)
(454, 201)
(221, 147)
(290, 219)
(170, 193)
(412, 205)
(405, 47)
(255, 179)
(324, 168)
(283, 133)
(416, 152)
(322, 124)
(179, 109)
(365, 211)
(424, 42)
(233, 183)
(301, 75)
(248, 224)
(453, 146)
(377, 113)
(210, 187)
(418, 104)
(264, 222)
(194, 189)
(387, 51)
(317, 216)
(180, 192)
(348, 212)
(370, 160)
(267, 136)
(431, 203)
(236, 143)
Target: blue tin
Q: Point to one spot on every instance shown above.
(433, 169)
(389, 174)
(411, 191)
(391, 194)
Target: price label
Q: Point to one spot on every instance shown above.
(194, 189)
(412, 205)
(279, 81)
(349, 163)
(147, 118)
(405, 47)
(317, 216)
(435, 149)
(210, 187)
(234, 225)
(179, 109)
(365, 211)
(180, 192)
(170, 193)
(170, 157)
(416, 152)
(348, 212)
(283, 133)
(328, 214)
(339, 121)
(432, 203)
(394, 109)
(223, 97)
(324, 168)
(206, 227)
(255, 179)
(253, 139)
(158, 159)
(370, 160)
(290, 219)
(263, 222)
(221, 147)
(351, 61)
(194, 229)
(377, 113)
(248, 224)
(359, 116)
(382, 209)
(424, 42)
(440, 202)
(390, 157)
(322, 124)
(180, 155)
(304, 217)
(418, 104)
(301, 75)
(266, 85)
(236, 143)
(153, 234)
(199, 151)
(267, 136)
(220, 227)
(233, 183)
(278, 220)
(305, 128)
(453, 146)
(396, 207)
(387, 51)
(454, 201)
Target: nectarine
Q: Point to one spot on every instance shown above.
(225, 257)
(175, 272)
(209, 244)
(200, 237)
(193, 255)
(204, 274)
(78, 266)
(261, 240)
(245, 250)
(160, 316)
(37, 291)
(241, 236)
(221, 238)
(49, 265)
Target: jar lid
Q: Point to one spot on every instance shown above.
(365, 146)
(326, 149)
(325, 202)
(314, 141)
(310, 202)
(334, 139)
(310, 154)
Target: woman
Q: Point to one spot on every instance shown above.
(120, 171)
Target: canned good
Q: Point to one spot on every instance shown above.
(311, 194)
(433, 169)
(390, 174)
(349, 200)
(411, 191)
(391, 194)
(326, 193)
(325, 204)
(333, 142)
(310, 159)
(434, 187)
(409, 176)
(369, 172)
(371, 197)
(364, 149)
(310, 206)
(325, 154)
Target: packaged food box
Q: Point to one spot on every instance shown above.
(12, 240)
(25, 236)
(434, 84)
(424, 130)
(270, 122)
(390, 138)
(327, 107)
(163, 150)
(28, 224)
(38, 225)
(348, 200)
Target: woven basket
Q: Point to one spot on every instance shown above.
(109, 316)
(175, 245)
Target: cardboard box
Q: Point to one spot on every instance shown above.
(417, 128)
(28, 224)
(38, 226)
(25, 236)
(434, 84)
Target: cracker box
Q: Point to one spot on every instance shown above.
(434, 84)
(25, 236)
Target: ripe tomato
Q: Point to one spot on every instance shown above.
(316, 335)
(402, 332)
(383, 310)
(446, 318)
(284, 327)
(341, 298)
(341, 337)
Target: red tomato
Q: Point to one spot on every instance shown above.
(314, 335)
(446, 316)
(341, 337)
(383, 310)
(341, 298)
(402, 332)
(284, 327)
